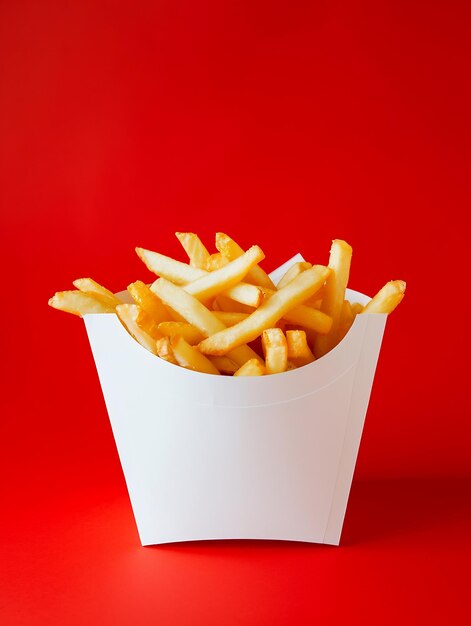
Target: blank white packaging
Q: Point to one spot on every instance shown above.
(217, 457)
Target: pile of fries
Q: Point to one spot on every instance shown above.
(222, 314)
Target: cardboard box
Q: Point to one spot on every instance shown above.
(217, 457)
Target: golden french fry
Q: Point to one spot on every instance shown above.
(148, 301)
(299, 352)
(224, 364)
(251, 368)
(357, 308)
(79, 303)
(305, 316)
(215, 262)
(293, 271)
(198, 315)
(88, 285)
(223, 279)
(387, 298)
(230, 249)
(190, 357)
(332, 302)
(194, 248)
(223, 303)
(268, 314)
(245, 294)
(316, 299)
(183, 274)
(275, 350)
(230, 318)
(175, 271)
(164, 350)
(132, 316)
(189, 333)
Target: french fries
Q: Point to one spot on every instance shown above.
(231, 250)
(164, 350)
(139, 325)
(299, 352)
(189, 333)
(79, 303)
(387, 298)
(220, 313)
(275, 350)
(198, 315)
(190, 357)
(251, 368)
(90, 286)
(228, 276)
(143, 296)
(194, 248)
(339, 264)
(293, 271)
(183, 274)
(269, 312)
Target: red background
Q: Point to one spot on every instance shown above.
(286, 125)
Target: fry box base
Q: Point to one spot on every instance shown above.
(215, 457)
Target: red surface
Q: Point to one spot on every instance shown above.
(285, 126)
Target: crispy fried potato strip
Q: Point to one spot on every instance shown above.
(198, 315)
(79, 303)
(191, 358)
(251, 368)
(88, 285)
(387, 298)
(268, 314)
(275, 350)
(139, 325)
(299, 352)
(194, 248)
(332, 302)
(231, 250)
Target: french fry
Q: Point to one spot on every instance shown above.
(308, 317)
(215, 262)
(189, 333)
(194, 248)
(88, 285)
(79, 303)
(223, 279)
(231, 250)
(133, 317)
(275, 350)
(316, 299)
(268, 314)
(224, 364)
(177, 272)
(223, 303)
(198, 315)
(183, 274)
(165, 351)
(148, 301)
(332, 302)
(357, 308)
(230, 318)
(293, 271)
(299, 352)
(190, 357)
(387, 298)
(251, 368)
(305, 316)
(347, 318)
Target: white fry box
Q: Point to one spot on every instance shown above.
(217, 457)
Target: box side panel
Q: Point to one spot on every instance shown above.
(361, 392)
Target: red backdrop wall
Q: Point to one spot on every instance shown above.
(284, 124)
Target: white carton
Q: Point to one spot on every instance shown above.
(216, 457)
